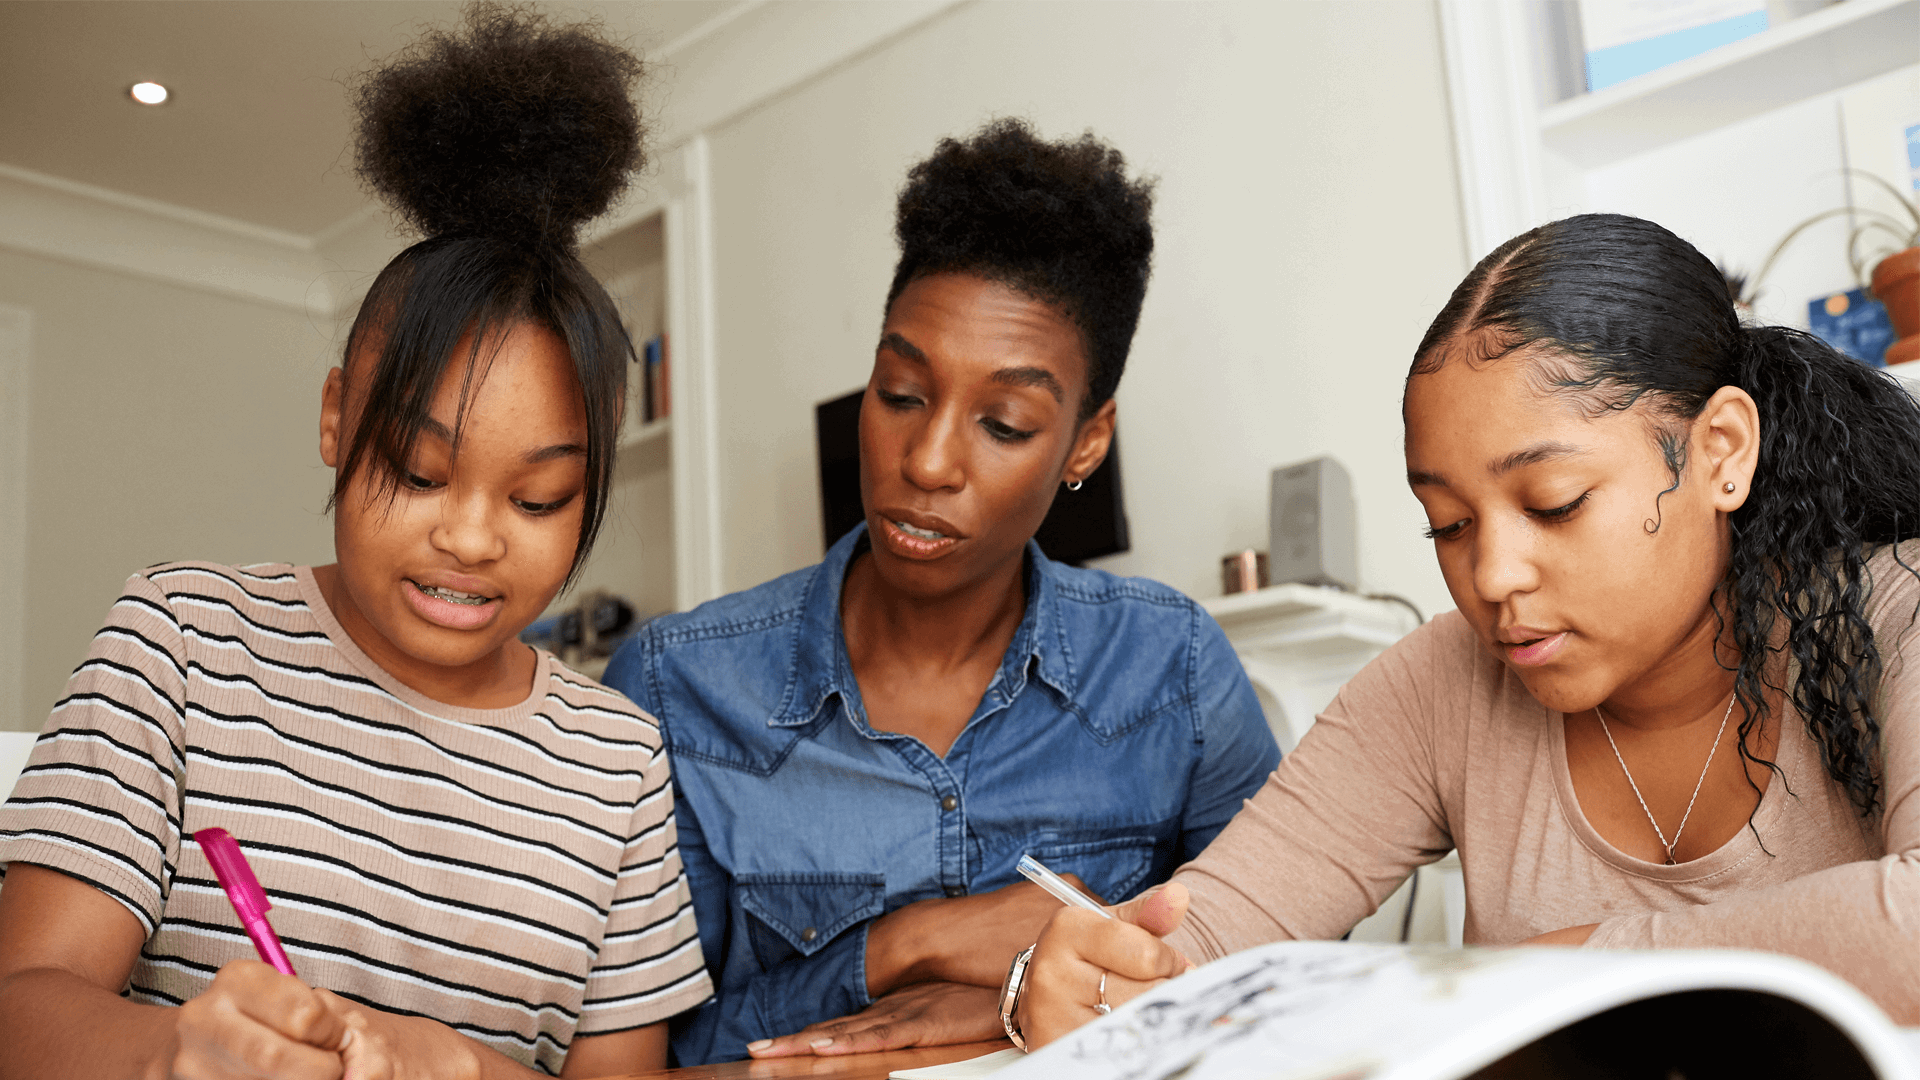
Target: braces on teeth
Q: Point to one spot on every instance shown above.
(449, 595)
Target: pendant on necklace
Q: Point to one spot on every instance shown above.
(1657, 831)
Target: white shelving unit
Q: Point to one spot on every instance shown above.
(658, 546)
(1818, 53)
(1730, 148)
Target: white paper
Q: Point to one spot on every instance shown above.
(970, 1069)
(1318, 1010)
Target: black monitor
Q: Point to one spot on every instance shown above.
(1082, 525)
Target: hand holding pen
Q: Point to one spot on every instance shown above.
(1080, 964)
(253, 1018)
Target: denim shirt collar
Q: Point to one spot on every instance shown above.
(821, 669)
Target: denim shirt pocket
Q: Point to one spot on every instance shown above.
(1114, 865)
(800, 913)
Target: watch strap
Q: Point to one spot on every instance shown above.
(1010, 993)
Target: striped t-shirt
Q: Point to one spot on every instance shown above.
(510, 872)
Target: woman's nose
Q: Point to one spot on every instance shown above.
(467, 529)
(1503, 562)
(936, 458)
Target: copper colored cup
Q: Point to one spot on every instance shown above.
(1243, 571)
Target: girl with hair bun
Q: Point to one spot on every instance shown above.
(469, 849)
(1677, 706)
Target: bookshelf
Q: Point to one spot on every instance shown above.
(1729, 149)
(1818, 53)
(658, 546)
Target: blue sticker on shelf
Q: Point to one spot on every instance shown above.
(1854, 323)
(1913, 154)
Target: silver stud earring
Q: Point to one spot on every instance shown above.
(1074, 485)
(1727, 487)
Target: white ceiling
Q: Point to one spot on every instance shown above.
(257, 128)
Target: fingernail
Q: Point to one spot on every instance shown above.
(758, 1045)
(818, 1043)
(346, 1040)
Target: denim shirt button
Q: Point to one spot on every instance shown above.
(949, 803)
(809, 934)
(956, 890)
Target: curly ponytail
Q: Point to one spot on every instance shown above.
(1639, 313)
(1839, 474)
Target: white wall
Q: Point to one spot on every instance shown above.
(1308, 227)
(164, 423)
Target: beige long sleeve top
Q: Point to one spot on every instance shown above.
(1437, 746)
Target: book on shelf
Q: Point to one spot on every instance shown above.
(656, 399)
(1321, 1010)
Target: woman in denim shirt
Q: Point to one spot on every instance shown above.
(864, 749)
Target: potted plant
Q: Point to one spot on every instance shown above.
(1889, 244)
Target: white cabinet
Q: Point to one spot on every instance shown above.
(1299, 644)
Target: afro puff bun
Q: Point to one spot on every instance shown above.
(515, 128)
(1059, 221)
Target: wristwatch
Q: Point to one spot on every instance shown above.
(1010, 996)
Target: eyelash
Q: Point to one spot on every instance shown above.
(1561, 513)
(995, 429)
(417, 483)
(1556, 514)
(542, 509)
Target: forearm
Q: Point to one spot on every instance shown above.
(1860, 921)
(494, 1065)
(903, 947)
(55, 1023)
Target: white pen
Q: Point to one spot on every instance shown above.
(1059, 887)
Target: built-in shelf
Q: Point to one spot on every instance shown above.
(1818, 53)
(1262, 612)
(650, 432)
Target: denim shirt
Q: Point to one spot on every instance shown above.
(1115, 741)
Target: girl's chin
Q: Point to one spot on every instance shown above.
(1564, 692)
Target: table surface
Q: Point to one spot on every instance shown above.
(843, 1067)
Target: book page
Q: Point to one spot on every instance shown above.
(1324, 1010)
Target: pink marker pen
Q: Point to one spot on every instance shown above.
(243, 889)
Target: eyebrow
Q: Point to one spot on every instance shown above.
(1031, 376)
(439, 431)
(893, 340)
(1007, 376)
(1532, 455)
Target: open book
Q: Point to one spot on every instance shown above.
(1312, 1010)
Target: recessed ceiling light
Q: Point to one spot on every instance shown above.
(148, 93)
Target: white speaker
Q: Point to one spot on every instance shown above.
(1311, 534)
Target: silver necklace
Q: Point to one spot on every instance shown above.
(1671, 861)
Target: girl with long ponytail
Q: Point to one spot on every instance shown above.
(1675, 707)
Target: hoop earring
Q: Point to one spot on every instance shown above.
(1074, 485)
(1727, 487)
